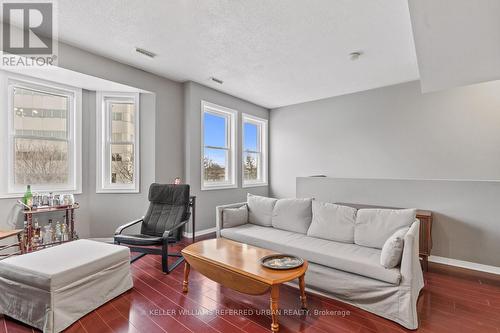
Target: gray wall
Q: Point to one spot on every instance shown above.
(390, 132)
(207, 200)
(161, 135)
(162, 156)
(397, 132)
(168, 129)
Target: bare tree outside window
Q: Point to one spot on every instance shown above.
(250, 167)
(213, 172)
(122, 164)
(40, 162)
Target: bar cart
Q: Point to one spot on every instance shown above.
(69, 220)
(4, 234)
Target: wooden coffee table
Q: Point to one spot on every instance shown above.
(237, 266)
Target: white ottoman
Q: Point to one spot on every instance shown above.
(52, 288)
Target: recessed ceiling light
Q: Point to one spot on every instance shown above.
(219, 81)
(355, 55)
(145, 52)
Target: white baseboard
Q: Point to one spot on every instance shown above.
(465, 264)
(199, 232)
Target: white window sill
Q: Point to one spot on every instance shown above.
(21, 195)
(117, 190)
(218, 187)
(248, 185)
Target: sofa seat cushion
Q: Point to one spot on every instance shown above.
(59, 266)
(342, 256)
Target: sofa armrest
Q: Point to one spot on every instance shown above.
(410, 262)
(412, 278)
(218, 215)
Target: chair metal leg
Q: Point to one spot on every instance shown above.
(164, 259)
(193, 216)
(175, 264)
(163, 252)
(137, 257)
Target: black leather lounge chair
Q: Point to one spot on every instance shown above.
(168, 211)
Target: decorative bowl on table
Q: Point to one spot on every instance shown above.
(281, 261)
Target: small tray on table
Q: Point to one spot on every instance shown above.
(281, 261)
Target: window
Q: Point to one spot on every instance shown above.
(218, 147)
(254, 150)
(44, 144)
(118, 144)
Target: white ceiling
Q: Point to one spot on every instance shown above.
(272, 53)
(457, 41)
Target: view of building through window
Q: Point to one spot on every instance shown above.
(41, 141)
(122, 142)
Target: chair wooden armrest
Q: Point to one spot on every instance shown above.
(120, 229)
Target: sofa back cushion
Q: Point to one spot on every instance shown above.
(374, 226)
(260, 210)
(233, 217)
(333, 222)
(292, 215)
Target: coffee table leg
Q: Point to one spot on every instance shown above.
(302, 285)
(186, 275)
(275, 295)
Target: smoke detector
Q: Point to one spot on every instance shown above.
(355, 55)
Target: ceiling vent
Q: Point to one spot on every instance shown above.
(219, 81)
(145, 52)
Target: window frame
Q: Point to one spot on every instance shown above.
(231, 117)
(262, 125)
(74, 132)
(104, 140)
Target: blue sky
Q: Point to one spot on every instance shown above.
(215, 135)
(214, 131)
(250, 137)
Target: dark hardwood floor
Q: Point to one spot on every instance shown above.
(156, 304)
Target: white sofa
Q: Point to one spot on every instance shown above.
(343, 248)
